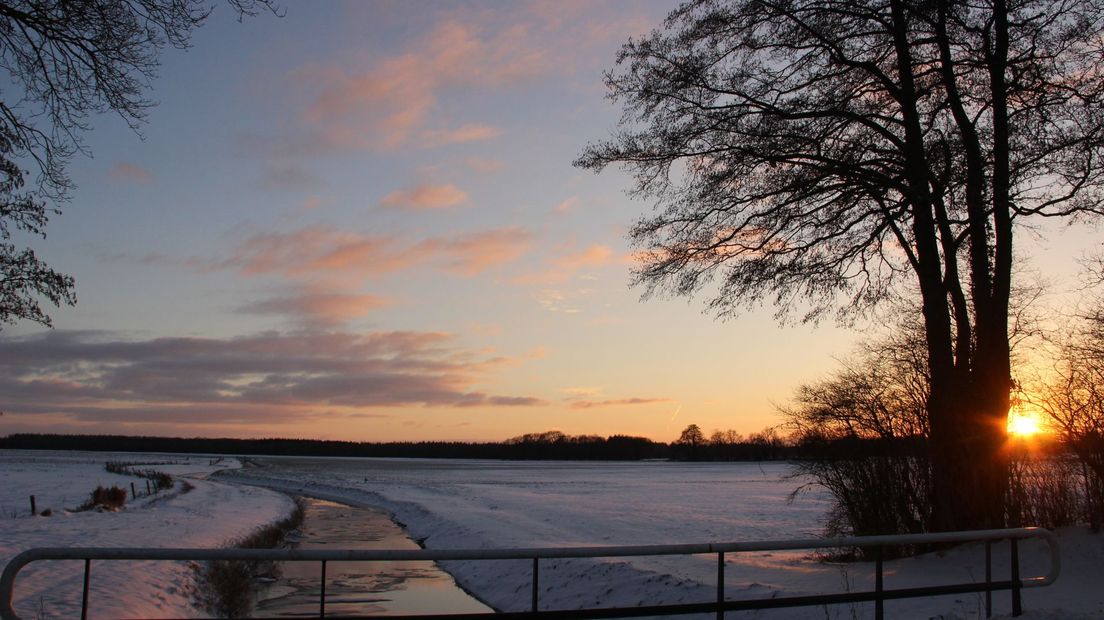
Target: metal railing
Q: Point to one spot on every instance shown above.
(878, 595)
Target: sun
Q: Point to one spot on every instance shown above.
(1023, 424)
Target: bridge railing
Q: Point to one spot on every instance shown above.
(1013, 583)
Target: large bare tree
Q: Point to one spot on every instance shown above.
(829, 154)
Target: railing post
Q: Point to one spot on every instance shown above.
(1017, 603)
(720, 584)
(879, 603)
(988, 578)
(84, 591)
(322, 593)
(536, 575)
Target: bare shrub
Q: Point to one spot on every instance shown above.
(1045, 489)
(863, 432)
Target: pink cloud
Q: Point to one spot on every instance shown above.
(126, 172)
(565, 267)
(474, 253)
(426, 196)
(318, 251)
(389, 104)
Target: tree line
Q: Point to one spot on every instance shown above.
(548, 445)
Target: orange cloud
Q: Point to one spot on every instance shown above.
(426, 197)
(319, 308)
(589, 404)
(126, 172)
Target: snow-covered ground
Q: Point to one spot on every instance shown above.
(485, 504)
(211, 514)
(490, 504)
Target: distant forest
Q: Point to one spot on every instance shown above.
(549, 445)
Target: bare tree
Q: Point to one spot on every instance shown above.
(823, 153)
(69, 61)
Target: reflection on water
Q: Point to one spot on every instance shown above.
(359, 588)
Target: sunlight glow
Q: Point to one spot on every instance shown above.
(1023, 424)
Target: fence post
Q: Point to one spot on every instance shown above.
(133, 493)
(879, 603)
(988, 578)
(1017, 602)
(148, 492)
(84, 592)
(536, 575)
(34, 511)
(720, 584)
(322, 595)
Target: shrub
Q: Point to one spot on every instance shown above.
(112, 498)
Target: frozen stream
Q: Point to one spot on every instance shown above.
(360, 588)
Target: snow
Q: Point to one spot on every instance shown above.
(490, 504)
(211, 514)
(493, 504)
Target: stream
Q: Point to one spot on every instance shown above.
(360, 588)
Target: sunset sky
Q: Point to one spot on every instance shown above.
(360, 221)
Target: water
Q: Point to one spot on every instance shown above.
(360, 588)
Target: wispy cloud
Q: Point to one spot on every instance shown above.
(285, 176)
(484, 165)
(126, 172)
(426, 196)
(566, 206)
(264, 378)
(469, 132)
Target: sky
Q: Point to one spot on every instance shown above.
(360, 221)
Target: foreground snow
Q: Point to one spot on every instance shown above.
(211, 514)
(485, 504)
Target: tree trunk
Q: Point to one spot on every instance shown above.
(969, 462)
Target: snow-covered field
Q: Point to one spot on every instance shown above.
(210, 514)
(483, 504)
(486, 504)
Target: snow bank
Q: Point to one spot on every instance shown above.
(211, 514)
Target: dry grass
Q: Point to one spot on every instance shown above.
(228, 588)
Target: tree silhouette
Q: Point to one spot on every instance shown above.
(831, 154)
(691, 438)
(68, 61)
